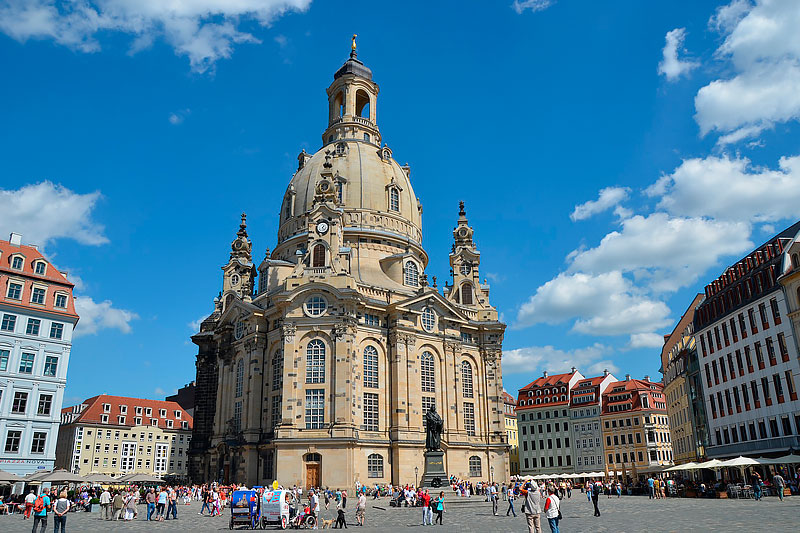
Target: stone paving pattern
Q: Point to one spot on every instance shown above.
(626, 514)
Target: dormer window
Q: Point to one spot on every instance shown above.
(17, 262)
(411, 274)
(162, 413)
(61, 300)
(40, 267)
(394, 199)
(177, 414)
(106, 407)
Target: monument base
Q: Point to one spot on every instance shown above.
(434, 475)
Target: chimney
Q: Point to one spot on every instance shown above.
(544, 374)
(573, 370)
(15, 239)
(605, 373)
(627, 377)
(647, 378)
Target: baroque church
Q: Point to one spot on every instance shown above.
(317, 366)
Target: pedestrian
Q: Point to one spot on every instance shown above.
(569, 489)
(427, 514)
(40, 508)
(596, 497)
(510, 497)
(361, 508)
(206, 503)
(779, 483)
(493, 496)
(552, 509)
(105, 505)
(130, 506)
(505, 491)
(756, 486)
(313, 506)
(532, 506)
(173, 504)
(651, 486)
(150, 500)
(117, 504)
(29, 500)
(439, 508)
(60, 510)
(161, 504)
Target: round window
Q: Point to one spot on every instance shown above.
(239, 330)
(315, 306)
(428, 319)
(235, 279)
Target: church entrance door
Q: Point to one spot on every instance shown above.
(312, 475)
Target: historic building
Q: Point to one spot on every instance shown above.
(512, 432)
(37, 317)
(543, 417)
(749, 355)
(635, 426)
(584, 413)
(317, 365)
(116, 435)
(683, 389)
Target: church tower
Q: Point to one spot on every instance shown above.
(239, 273)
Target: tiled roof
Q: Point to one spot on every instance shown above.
(507, 398)
(92, 409)
(635, 387)
(586, 386)
(556, 381)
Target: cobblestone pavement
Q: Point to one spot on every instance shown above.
(627, 514)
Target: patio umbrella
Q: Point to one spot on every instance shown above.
(97, 477)
(141, 478)
(8, 477)
(685, 466)
(61, 476)
(713, 464)
(35, 476)
(785, 460)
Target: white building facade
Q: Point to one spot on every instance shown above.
(37, 318)
(584, 415)
(748, 357)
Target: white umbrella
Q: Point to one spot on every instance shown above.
(61, 476)
(712, 464)
(785, 460)
(685, 466)
(740, 461)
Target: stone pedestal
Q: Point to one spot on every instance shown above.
(434, 475)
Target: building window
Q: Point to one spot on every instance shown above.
(469, 418)
(466, 379)
(14, 291)
(128, 456)
(12, 441)
(239, 378)
(375, 465)
(315, 306)
(20, 403)
(61, 300)
(427, 372)
(394, 199)
(50, 365)
(427, 403)
(4, 355)
(371, 367)
(162, 413)
(16, 263)
(277, 370)
(315, 408)
(372, 320)
(33, 326)
(475, 466)
(37, 295)
(315, 362)
(428, 319)
(318, 257)
(26, 363)
(411, 274)
(370, 411)
(56, 330)
(466, 294)
(8, 323)
(276, 411)
(237, 416)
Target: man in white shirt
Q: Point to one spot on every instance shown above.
(493, 496)
(30, 499)
(105, 505)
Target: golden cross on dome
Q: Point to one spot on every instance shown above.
(354, 41)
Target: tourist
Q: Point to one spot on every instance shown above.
(117, 504)
(161, 504)
(105, 505)
(756, 486)
(509, 494)
(40, 507)
(60, 510)
(438, 506)
(493, 495)
(29, 500)
(427, 514)
(651, 486)
(588, 488)
(779, 483)
(173, 504)
(130, 506)
(569, 489)
(344, 499)
(313, 506)
(598, 487)
(150, 499)
(361, 508)
(552, 509)
(532, 506)
(505, 490)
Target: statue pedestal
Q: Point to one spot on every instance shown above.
(434, 475)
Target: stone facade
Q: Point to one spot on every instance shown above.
(321, 376)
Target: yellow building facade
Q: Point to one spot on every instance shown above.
(512, 432)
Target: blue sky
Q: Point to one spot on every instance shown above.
(613, 156)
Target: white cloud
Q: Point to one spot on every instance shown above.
(762, 45)
(530, 360)
(646, 340)
(101, 315)
(671, 66)
(194, 325)
(203, 30)
(175, 119)
(520, 6)
(726, 188)
(45, 212)
(607, 198)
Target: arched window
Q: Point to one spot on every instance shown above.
(312, 458)
(466, 294)
(287, 206)
(428, 319)
(338, 104)
(277, 370)
(239, 378)
(362, 104)
(394, 199)
(466, 379)
(371, 367)
(474, 466)
(411, 274)
(315, 362)
(318, 259)
(427, 372)
(375, 465)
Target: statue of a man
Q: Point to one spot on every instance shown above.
(434, 423)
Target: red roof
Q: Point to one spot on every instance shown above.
(636, 388)
(508, 399)
(585, 386)
(555, 388)
(54, 280)
(92, 409)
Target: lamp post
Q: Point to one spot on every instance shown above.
(491, 474)
(416, 474)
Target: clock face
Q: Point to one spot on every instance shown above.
(322, 227)
(465, 269)
(235, 279)
(462, 232)
(238, 244)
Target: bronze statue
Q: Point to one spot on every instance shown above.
(434, 423)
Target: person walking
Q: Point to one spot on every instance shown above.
(161, 504)
(552, 509)
(173, 504)
(779, 483)
(439, 508)
(60, 510)
(596, 489)
(427, 514)
(509, 494)
(361, 508)
(29, 501)
(313, 506)
(651, 487)
(40, 508)
(493, 496)
(206, 503)
(105, 505)
(130, 506)
(117, 504)
(150, 500)
(532, 506)
(756, 486)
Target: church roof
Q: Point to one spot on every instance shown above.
(353, 66)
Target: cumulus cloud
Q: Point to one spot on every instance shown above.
(671, 66)
(762, 46)
(646, 340)
(202, 30)
(589, 360)
(101, 315)
(607, 198)
(520, 6)
(194, 325)
(44, 212)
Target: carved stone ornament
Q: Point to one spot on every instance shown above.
(347, 328)
(452, 346)
(288, 331)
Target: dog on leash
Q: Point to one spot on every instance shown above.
(327, 523)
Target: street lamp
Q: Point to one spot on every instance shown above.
(491, 474)
(416, 474)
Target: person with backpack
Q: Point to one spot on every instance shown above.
(60, 510)
(596, 490)
(552, 509)
(40, 508)
(532, 506)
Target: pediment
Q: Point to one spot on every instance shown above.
(236, 309)
(433, 299)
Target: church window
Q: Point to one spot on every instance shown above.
(427, 403)
(234, 279)
(277, 370)
(428, 319)
(316, 306)
(315, 408)
(466, 379)
(371, 367)
(375, 465)
(394, 199)
(237, 416)
(340, 192)
(318, 260)
(362, 103)
(427, 372)
(466, 294)
(366, 137)
(315, 362)
(287, 206)
(340, 148)
(370, 411)
(239, 378)
(475, 466)
(276, 411)
(411, 274)
(469, 418)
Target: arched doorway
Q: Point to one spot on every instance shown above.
(313, 468)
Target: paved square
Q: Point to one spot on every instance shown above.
(626, 514)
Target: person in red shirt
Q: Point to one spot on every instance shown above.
(427, 514)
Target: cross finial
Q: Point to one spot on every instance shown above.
(461, 211)
(353, 46)
(244, 219)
